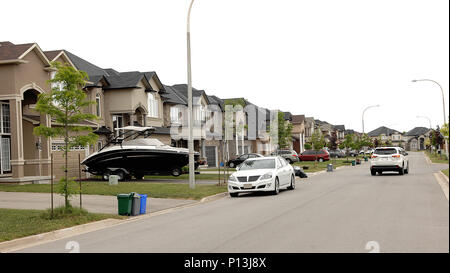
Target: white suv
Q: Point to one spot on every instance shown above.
(389, 159)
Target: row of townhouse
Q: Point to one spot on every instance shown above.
(122, 99)
(132, 98)
(413, 140)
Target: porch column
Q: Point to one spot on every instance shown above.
(17, 161)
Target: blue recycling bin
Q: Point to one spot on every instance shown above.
(143, 203)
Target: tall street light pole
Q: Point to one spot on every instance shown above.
(425, 117)
(190, 114)
(363, 115)
(443, 103)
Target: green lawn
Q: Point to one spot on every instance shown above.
(17, 223)
(155, 190)
(435, 158)
(184, 177)
(319, 166)
(445, 172)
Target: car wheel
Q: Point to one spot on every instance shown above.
(292, 186)
(402, 171)
(231, 165)
(407, 169)
(380, 173)
(277, 187)
(234, 194)
(121, 174)
(176, 171)
(289, 160)
(373, 172)
(320, 159)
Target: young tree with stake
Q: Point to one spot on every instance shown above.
(65, 104)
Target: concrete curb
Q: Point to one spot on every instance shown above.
(214, 197)
(38, 239)
(443, 182)
(444, 176)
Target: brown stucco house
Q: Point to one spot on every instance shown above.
(122, 99)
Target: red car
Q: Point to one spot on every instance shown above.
(311, 155)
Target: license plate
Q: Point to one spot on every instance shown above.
(248, 186)
(384, 159)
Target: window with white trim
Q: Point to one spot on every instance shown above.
(117, 123)
(98, 105)
(153, 110)
(175, 115)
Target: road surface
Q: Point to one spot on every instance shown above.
(340, 211)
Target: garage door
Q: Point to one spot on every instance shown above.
(211, 156)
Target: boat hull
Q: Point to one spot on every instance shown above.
(137, 161)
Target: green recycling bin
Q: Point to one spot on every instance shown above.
(353, 162)
(124, 202)
(366, 159)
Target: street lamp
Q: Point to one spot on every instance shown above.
(190, 114)
(443, 103)
(425, 117)
(364, 112)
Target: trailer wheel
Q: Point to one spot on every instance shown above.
(105, 175)
(138, 176)
(176, 171)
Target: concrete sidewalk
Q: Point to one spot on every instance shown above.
(93, 203)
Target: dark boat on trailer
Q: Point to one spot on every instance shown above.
(133, 153)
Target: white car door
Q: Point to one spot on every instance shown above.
(280, 173)
(285, 170)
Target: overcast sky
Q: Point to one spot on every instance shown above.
(327, 59)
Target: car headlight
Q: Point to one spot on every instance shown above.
(266, 176)
(232, 178)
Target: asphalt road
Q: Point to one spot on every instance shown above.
(330, 212)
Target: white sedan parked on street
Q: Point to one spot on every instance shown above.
(269, 174)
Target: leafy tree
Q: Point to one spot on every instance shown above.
(284, 132)
(436, 138)
(318, 141)
(333, 141)
(308, 146)
(65, 104)
(347, 144)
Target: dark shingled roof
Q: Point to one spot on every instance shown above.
(287, 115)
(10, 51)
(181, 91)
(417, 131)
(52, 54)
(298, 119)
(124, 80)
(102, 131)
(382, 131)
(339, 127)
(217, 101)
(81, 64)
(171, 96)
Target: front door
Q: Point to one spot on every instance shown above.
(211, 156)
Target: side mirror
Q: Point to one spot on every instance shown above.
(406, 153)
(238, 167)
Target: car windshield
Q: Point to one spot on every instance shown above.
(258, 164)
(385, 151)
